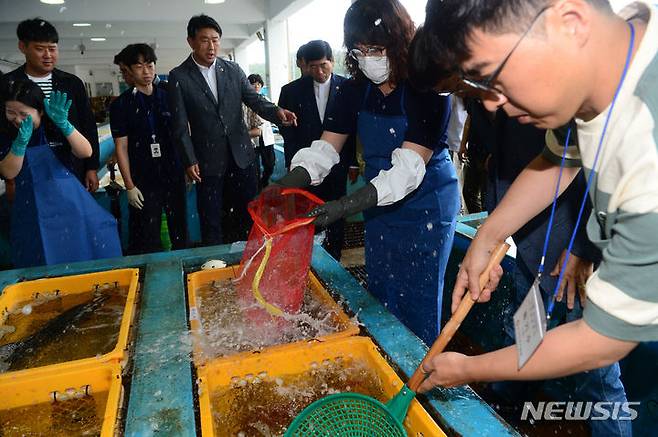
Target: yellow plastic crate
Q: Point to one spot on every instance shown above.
(16, 295)
(221, 376)
(197, 279)
(61, 402)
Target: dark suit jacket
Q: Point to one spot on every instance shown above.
(80, 116)
(214, 127)
(515, 146)
(299, 97)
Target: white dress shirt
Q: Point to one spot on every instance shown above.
(322, 96)
(209, 75)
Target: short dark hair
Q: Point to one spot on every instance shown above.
(120, 58)
(134, 51)
(450, 23)
(301, 55)
(255, 78)
(384, 23)
(202, 21)
(36, 30)
(316, 50)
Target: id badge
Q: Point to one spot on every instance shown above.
(530, 324)
(155, 150)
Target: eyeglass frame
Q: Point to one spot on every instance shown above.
(370, 51)
(485, 84)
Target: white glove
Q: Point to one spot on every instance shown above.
(135, 198)
(317, 160)
(402, 178)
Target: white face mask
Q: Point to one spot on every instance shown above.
(375, 68)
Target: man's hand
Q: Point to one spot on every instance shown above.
(463, 147)
(446, 370)
(353, 174)
(472, 266)
(194, 173)
(288, 118)
(577, 272)
(135, 198)
(91, 181)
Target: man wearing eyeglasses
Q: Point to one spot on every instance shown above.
(544, 63)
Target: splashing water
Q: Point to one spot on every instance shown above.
(228, 328)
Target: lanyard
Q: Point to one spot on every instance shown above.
(150, 112)
(590, 179)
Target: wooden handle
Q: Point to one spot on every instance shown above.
(457, 318)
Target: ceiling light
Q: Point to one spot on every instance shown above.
(97, 39)
(213, 2)
(81, 24)
(52, 2)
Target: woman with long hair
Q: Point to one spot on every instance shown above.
(411, 200)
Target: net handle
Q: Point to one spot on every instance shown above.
(302, 221)
(457, 318)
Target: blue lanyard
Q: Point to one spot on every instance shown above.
(150, 112)
(590, 179)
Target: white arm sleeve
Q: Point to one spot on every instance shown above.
(405, 176)
(317, 160)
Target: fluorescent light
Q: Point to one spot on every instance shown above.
(213, 2)
(81, 24)
(52, 2)
(97, 39)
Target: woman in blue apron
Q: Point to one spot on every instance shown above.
(412, 199)
(54, 219)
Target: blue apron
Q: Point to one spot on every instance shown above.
(54, 219)
(408, 243)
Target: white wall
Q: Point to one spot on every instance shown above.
(277, 48)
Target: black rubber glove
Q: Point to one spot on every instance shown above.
(360, 200)
(298, 177)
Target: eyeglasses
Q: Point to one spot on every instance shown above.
(485, 84)
(368, 51)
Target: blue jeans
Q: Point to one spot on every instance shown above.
(598, 385)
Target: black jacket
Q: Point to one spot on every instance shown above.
(80, 116)
(299, 97)
(214, 127)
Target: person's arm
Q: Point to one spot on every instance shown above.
(87, 127)
(11, 164)
(289, 133)
(566, 350)
(263, 107)
(124, 161)
(463, 147)
(531, 193)
(180, 127)
(135, 197)
(80, 146)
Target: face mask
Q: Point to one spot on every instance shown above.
(375, 68)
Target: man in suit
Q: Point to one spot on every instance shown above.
(38, 41)
(311, 97)
(206, 95)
